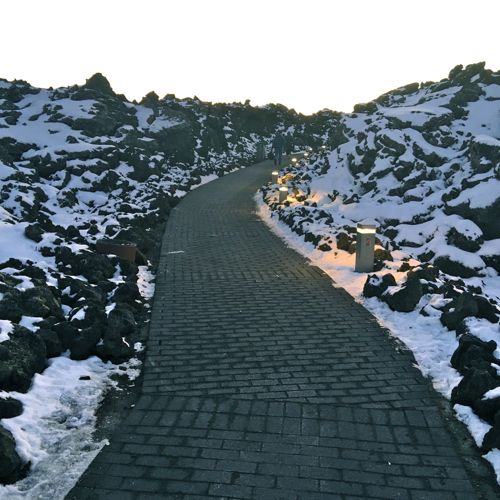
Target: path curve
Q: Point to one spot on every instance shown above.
(262, 380)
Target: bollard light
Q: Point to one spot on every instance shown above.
(323, 147)
(365, 244)
(274, 176)
(283, 194)
(306, 155)
(294, 160)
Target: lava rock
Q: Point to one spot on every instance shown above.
(474, 384)
(10, 408)
(382, 255)
(472, 353)
(487, 408)
(127, 292)
(34, 232)
(66, 332)
(12, 468)
(458, 309)
(121, 321)
(52, 342)
(485, 309)
(375, 286)
(27, 356)
(324, 247)
(115, 349)
(426, 272)
(9, 306)
(407, 297)
(39, 301)
(344, 242)
(84, 344)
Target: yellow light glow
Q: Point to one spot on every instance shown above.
(294, 160)
(306, 155)
(275, 172)
(363, 230)
(283, 188)
(323, 147)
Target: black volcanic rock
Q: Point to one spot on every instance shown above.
(100, 83)
(407, 297)
(12, 467)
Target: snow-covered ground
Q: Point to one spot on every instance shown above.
(55, 430)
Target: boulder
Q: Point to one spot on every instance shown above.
(127, 292)
(472, 387)
(10, 408)
(407, 297)
(115, 349)
(10, 306)
(344, 242)
(39, 301)
(458, 309)
(12, 467)
(487, 408)
(34, 232)
(52, 342)
(93, 266)
(121, 321)
(473, 353)
(27, 356)
(84, 344)
(66, 332)
(375, 286)
(486, 309)
(121, 326)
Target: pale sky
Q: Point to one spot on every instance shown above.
(306, 54)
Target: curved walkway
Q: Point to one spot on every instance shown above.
(264, 381)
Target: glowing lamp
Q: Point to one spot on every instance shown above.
(274, 176)
(365, 245)
(294, 160)
(283, 194)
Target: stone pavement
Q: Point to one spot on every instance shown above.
(262, 380)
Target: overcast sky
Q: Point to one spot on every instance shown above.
(307, 55)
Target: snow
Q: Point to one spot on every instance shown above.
(480, 196)
(6, 327)
(145, 282)
(55, 430)
(492, 394)
(477, 427)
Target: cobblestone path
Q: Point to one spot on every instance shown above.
(262, 380)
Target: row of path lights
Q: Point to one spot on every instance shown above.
(365, 233)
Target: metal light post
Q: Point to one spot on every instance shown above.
(274, 176)
(365, 244)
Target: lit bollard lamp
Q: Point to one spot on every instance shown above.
(365, 244)
(274, 176)
(283, 194)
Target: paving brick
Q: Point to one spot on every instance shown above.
(262, 380)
